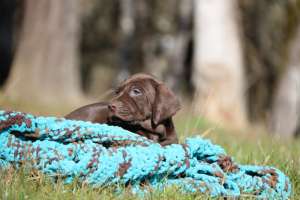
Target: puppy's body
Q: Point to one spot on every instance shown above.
(142, 105)
(96, 113)
(99, 113)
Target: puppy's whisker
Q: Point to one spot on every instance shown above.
(123, 113)
(124, 110)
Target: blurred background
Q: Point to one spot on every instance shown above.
(232, 62)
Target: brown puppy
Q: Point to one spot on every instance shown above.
(142, 104)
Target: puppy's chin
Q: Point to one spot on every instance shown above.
(115, 117)
(130, 120)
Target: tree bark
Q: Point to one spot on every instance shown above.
(45, 68)
(285, 114)
(127, 30)
(218, 65)
(180, 47)
(7, 13)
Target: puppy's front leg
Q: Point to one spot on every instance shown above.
(171, 136)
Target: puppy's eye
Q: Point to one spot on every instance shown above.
(135, 92)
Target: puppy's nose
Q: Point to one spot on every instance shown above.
(112, 107)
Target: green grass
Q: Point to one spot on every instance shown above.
(246, 147)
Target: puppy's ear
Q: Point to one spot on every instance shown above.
(165, 105)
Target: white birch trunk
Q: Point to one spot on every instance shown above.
(218, 63)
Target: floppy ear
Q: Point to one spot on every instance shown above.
(165, 105)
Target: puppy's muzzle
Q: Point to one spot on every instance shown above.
(112, 107)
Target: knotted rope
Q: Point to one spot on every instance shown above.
(103, 155)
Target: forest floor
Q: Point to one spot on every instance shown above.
(246, 147)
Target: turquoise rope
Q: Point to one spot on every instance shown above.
(103, 155)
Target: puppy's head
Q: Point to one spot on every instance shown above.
(142, 97)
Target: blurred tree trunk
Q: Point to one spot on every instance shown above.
(285, 114)
(45, 68)
(265, 49)
(218, 65)
(127, 30)
(166, 49)
(135, 28)
(7, 12)
(180, 47)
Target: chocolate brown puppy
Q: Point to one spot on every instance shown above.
(141, 104)
(100, 113)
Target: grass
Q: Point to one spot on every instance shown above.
(247, 147)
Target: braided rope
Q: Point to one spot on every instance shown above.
(102, 155)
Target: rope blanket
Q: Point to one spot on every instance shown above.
(103, 155)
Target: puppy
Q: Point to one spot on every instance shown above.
(141, 104)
